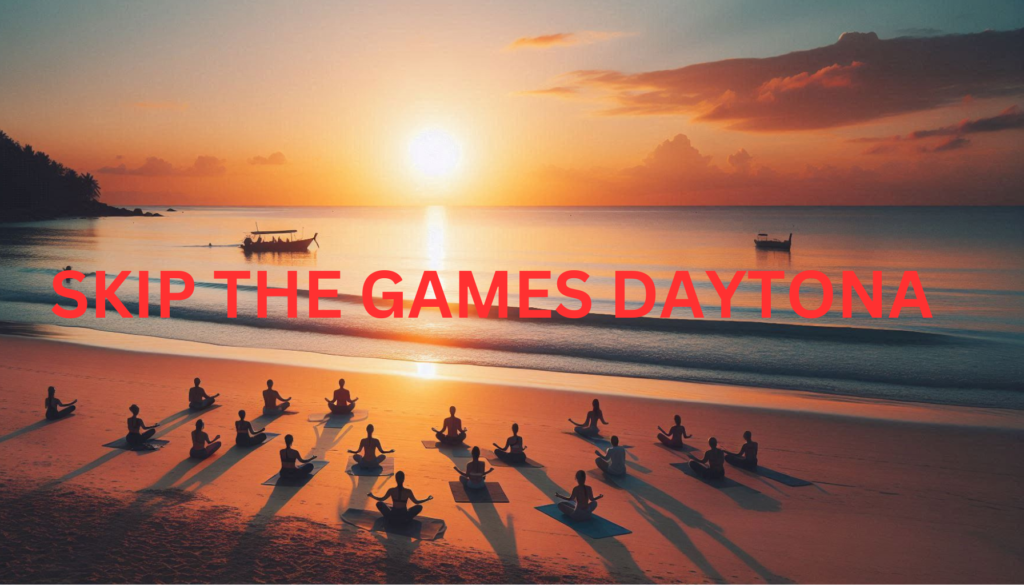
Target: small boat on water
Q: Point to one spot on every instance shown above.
(275, 241)
(761, 242)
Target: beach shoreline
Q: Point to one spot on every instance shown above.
(892, 501)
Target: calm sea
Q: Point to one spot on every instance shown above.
(971, 262)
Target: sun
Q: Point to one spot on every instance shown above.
(435, 153)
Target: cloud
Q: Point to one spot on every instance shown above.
(275, 158)
(1009, 119)
(204, 166)
(170, 106)
(557, 91)
(856, 80)
(741, 160)
(586, 37)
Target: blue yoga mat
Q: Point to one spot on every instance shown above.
(596, 527)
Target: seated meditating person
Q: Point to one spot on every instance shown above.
(342, 403)
(712, 466)
(289, 456)
(138, 432)
(747, 457)
(202, 445)
(473, 477)
(399, 511)
(614, 461)
(514, 450)
(581, 503)
(452, 432)
(198, 399)
(366, 455)
(273, 402)
(244, 435)
(589, 427)
(56, 409)
(674, 437)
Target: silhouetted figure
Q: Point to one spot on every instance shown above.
(712, 466)
(584, 502)
(66, 280)
(514, 450)
(273, 402)
(202, 446)
(612, 462)
(473, 477)
(342, 403)
(55, 409)
(747, 457)
(452, 432)
(674, 437)
(589, 427)
(289, 456)
(138, 432)
(366, 455)
(399, 512)
(244, 435)
(198, 399)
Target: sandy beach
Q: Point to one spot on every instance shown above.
(890, 501)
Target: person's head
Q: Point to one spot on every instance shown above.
(51, 390)
(288, 440)
(270, 383)
(134, 408)
(452, 410)
(476, 453)
(597, 404)
(713, 442)
(746, 435)
(615, 440)
(341, 382)
(581, 477)
(515, 428)
(200, 424)
(369, 430)
(679, 420)
(400, 478)
(241, 415)
(196, 381)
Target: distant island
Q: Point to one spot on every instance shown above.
(35, 187)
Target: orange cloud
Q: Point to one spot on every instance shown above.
(204, 166)
(858, 79)
(275, 158)
(1009, 119)
(587, 37)
(557, 91)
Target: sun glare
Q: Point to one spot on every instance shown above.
(435, 154)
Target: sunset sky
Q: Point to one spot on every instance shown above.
(525, 103)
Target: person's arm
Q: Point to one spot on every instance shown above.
(353, 400)
(381, 448)
(500, 448)
(306, 460)
(386, 495)
(663, 431)
(604, 456)
(566, 498)
(462, 473)
(602, 418)
(415, 501)
(143, 425)
(488, 471)
(685, 436)
(256, 432)
(576, 423)
(596, 498)
(329, 400)
(359, 448)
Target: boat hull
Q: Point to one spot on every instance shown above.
(289, 246)
(773, 245)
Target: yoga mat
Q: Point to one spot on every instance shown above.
(495, 462)
(493, 493)
(122, 443)
(596, 527)
(599, 440)
(458, 450)
(421, 527)
(276, 480)
(723, 483)
(385, 468)
(780, 477)
(684, 449)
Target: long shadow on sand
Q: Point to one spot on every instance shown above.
(32, 427)
(500, 535)
(747, 497)
(617, 558)
(649, 498)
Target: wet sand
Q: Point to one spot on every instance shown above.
(891, 501)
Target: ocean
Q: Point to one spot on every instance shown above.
(971, 263)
